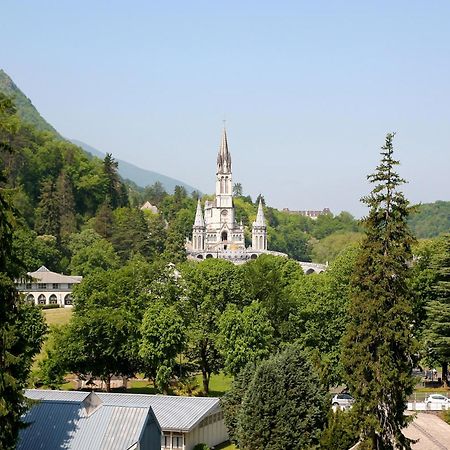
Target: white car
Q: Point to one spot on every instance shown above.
(343, 401)
(437, 398)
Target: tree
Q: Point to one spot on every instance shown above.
(104, 221)
(163, 337)
(378, 345)
(284, 405)
(22, 326)
(100, 255)
(115, 190)
(244, 336)
(237, 190)
(99, 343)
(66, 202)
(48, 220)
(438, 309)
(211, 286)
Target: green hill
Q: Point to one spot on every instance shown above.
(30, 115)
(26, 110)
(431, 219)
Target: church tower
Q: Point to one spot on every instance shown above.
(224, 185)
(259, 230)
(198, 230)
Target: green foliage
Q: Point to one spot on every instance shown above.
(378, 346)
(22, 326)
(437, 333)
(244, 336)
(328, 248)
(341, 432)
(163, 336)
(284, 406)
(430, 219)
(201, 447)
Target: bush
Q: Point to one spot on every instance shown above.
(341, 432)
(52, 306)
(201, 447)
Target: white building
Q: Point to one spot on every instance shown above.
(48, 288)
(215, 233)
(183, 422)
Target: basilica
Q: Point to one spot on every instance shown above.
(216, 233)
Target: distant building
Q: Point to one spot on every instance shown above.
(309, 213)
(66, 419)
(48, 288)
(149, 207)
(216, 233)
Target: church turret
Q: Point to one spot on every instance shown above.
(224, 190)
(198, 230)
(259, 230)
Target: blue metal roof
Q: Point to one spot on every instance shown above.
(172, 413)
(59, 424)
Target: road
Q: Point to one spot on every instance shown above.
(433, 433)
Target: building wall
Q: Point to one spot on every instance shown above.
(211, 431)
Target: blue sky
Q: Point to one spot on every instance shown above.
(308, 88)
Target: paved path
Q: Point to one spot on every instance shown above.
(433, 433)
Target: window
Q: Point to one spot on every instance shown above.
(42, 285)
(177, 441)
(55, 285)
(30, 298)
(68, 299)
(53, 300)
(70, 285)
(28, 286)
(165, 441)
(42, 300)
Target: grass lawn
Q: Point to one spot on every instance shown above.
(226, 446)
(218, 385)
(140, 387)
(57, 316)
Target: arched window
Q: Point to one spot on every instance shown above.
(199, 256)
(208, 256)
(42, 300)
(224, 236)
(68, 299)
(309, 271)
(53, 300)
(30, 298)
(253, 256)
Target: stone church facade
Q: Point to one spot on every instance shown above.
(216, 233)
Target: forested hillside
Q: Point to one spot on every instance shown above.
(431, 219)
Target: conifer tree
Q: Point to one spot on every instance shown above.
(48, 219)
(378, 344)
(66, 203)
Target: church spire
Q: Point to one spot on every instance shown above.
(224, 157)
(260, 219)
(199, 221)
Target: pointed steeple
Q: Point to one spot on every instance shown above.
(199, 221)
(224, 157)
(260, 219)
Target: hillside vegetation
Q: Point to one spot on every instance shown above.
(431, 219)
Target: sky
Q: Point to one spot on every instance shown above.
(308, 89)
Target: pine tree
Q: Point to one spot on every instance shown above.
(66, 203)
(378, 345)
(48, 220)
(114, 189)
(438, 310)
(21, 325)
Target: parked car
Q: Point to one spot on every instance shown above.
(343, 400)
(437, 398)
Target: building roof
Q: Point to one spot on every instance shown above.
(148, 206)
(224, 156)
(199, 221)
(173, 413)
(260, 219)
(43, 275)
(81, 422)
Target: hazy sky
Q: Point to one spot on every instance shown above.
(308, 88)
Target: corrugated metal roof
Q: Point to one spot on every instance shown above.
(57, 424)
(173, 413)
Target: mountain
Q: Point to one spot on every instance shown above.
(29, 114)
(142, 177)
(26, 110)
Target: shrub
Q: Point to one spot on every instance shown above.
(201, 447)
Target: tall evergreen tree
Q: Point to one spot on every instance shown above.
(21, 326)
(438, 310)
(66, 203)
(114, 188)
(378, 345)
(48, 219)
